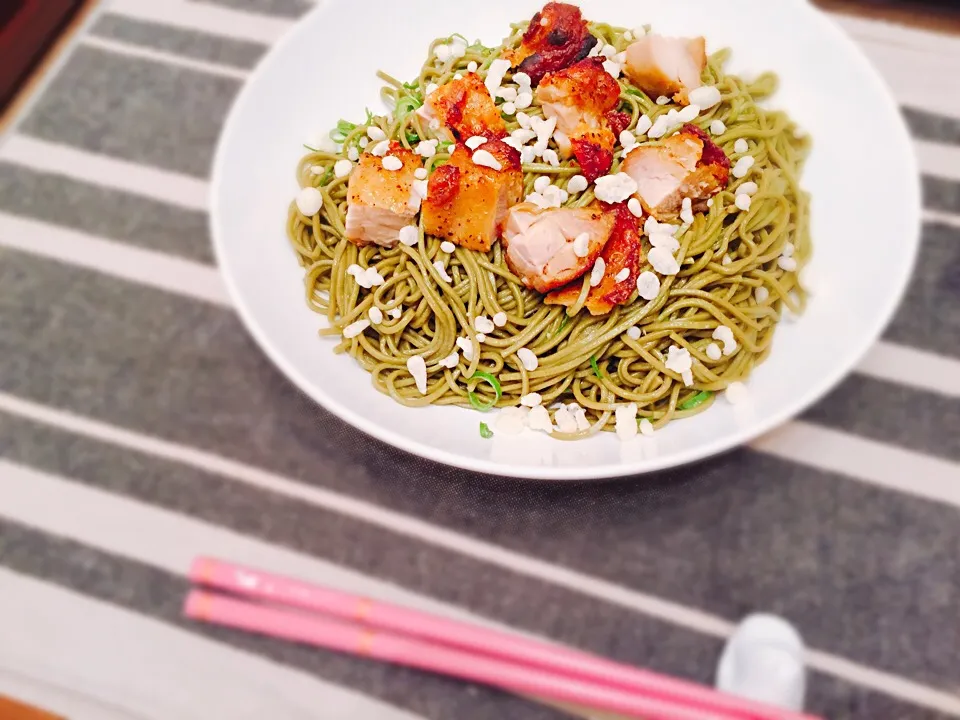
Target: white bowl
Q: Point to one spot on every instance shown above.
(862, 175)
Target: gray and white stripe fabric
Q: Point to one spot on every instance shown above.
(140, 426)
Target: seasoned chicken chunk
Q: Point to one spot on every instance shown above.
(667, 66)
(622, 256)
(583, 98)
(381, 201)
(556, 38)
(465, 109)
(467, 203)
(686, 165)
(542, 245)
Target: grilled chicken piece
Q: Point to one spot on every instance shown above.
(540, 243)
(686, 165)
(622, 252)
(582, 98)
(467, 203)
(667, 66)
(465, 109)
(379, 200)
(556, 38)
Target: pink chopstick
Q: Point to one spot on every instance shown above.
(516, 649)
(357, 639)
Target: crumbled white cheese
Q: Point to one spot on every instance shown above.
(706, 97)
(577, 184)
(747, 188)
(581, 245)
(566, 422)
(430, 89)
(507, 93)
(442, 271)
(447, 247)
(627, 139)
(541, 183)
(643, 125)
(646, 427)
(450, 361)
(418, 368)
(615, 188)
(713, 351)
(788, 249)
(409, 235)
(524, 135)
(528, 359)
(679, 361)
(741, 146)
(355, 328)
(526, 155)
(627, 35)
(317, 170)
(310, 200)
(391, 162)
(761, 294)
(376, 134)
(634, 333)
(626, 416)
(481, 338)
(514, 143)
(725, 335)
(743, 166)
(363, 142)
(689, 113)
(522, 79)
(508, 108)
(498, 68)
(375, 314)
(686, 211)
(622, 275)
(596, 275)
(442, 53)
(342, 168)
(579, 415)
(472, 66)
(524, 100)
(538, 419)
(353, 154)
(660, 127)
(483, 324)
(381, 148)
(419, 188)
(426, 148)
(727, 260)
(550, 156)
(612, 67)
(635, 208)
(500, 319)
(663, 261)
(396, 312)
(466, 347)
(531, 399)
(663, 100)
(743, 201)
(485, 159)
(648, 285)
(718, 127)
(475, 142)
(523, 120)
(787, 263)
(736, 393)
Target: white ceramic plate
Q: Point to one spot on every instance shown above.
(862, 176)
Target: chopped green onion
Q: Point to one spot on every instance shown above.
(444, 144)
(634, 91)
(369, 117)
(311, 149)
(563, 323)
(412, 137)
(406, 105)
(415, 85)
(343, 128)
(327, 176)
(492, 382)
(699, 399)
(596, 368)
(458, 35)
(485, 432)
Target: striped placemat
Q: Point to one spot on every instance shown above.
(140, 426)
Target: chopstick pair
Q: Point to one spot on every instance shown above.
(268, 604)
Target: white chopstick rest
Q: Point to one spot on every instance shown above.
(763, 661)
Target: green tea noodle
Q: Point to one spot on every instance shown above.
(726, 256)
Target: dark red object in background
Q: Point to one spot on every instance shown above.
(27, 29)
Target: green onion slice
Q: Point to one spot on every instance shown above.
(699, 399)
(485, 432)
(492, 382)
(596, 368)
